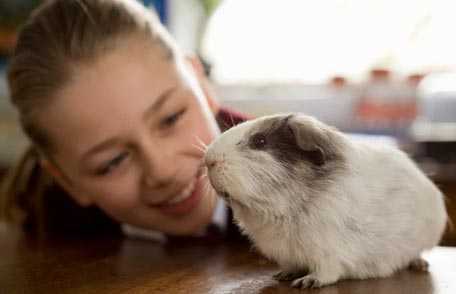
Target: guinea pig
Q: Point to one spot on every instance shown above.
(321, 205)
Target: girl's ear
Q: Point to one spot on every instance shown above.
(63, 181)
(198, 68)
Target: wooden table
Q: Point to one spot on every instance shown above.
(111, 264)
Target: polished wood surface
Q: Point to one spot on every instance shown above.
(449, 190)
(112, 264)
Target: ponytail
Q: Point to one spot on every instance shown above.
(32, 199)
(22, 191)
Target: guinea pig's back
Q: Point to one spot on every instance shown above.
(401, 204)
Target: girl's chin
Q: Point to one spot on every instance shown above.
(196, 222)
(190, 216)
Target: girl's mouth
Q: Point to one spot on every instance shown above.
(186, 201)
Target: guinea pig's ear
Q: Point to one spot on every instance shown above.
(316, 156)
(307, 139)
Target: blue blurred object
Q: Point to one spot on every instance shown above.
(2, 62)
(161, 6)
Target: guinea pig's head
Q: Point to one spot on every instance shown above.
(274, 163)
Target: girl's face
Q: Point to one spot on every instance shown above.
(128, 131)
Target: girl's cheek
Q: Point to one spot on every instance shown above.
(118, 203)
(120, 191)
(193, 129)
(209, 135)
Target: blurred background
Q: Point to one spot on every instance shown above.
(381, 69)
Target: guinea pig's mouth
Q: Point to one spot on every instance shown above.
(225, 195)
(229, 199)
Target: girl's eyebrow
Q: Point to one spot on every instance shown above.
(155, 107)
(100, 147)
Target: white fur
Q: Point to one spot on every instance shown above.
(375, 218)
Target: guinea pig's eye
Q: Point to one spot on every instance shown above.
(258, 141)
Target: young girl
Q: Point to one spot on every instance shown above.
(117, 117)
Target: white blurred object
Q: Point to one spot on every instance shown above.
(140, 233)
(309, 41)
(437, 93)
(334, 107)
(434, 132)
(377, 139)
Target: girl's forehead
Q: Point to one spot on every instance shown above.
(108, 95)
(130, 55)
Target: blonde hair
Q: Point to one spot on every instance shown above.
(59, 36)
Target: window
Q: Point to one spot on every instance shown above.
(311, 41)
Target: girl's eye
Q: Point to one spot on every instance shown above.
(112, 164)
(172, 119)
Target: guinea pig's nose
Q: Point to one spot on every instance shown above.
(210, 163)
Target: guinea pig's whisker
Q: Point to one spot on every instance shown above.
(232, 120)
(203, 151)
(203, 169)
(201, 146)
(207, 189)
(206, 183)
(226, 125)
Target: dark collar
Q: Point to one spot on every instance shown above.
(227, 118)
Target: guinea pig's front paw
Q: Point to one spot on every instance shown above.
(419, 264)
(311, 281)
(289, 275)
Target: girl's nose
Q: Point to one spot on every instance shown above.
(159, 169)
